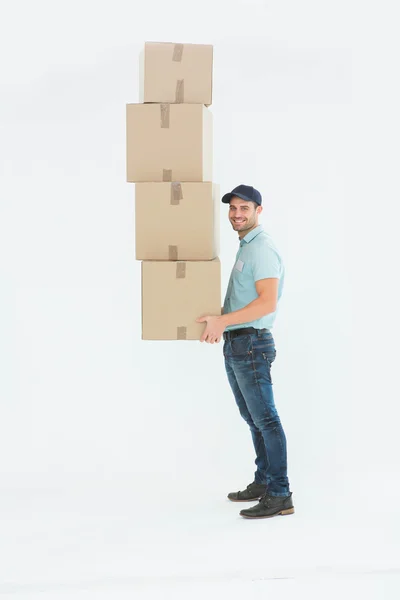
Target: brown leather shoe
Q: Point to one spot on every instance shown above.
(270, 506)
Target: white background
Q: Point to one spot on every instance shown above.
(116, 455)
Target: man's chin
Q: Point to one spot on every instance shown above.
(239, 225)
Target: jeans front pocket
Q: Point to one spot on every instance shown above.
(239, 347)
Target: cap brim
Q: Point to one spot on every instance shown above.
(227, 197)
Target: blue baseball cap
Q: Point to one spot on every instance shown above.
(245, 192)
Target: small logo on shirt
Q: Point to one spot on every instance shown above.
(239, 265)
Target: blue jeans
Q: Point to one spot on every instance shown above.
(248, 360)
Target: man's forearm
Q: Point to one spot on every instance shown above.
(253, 311)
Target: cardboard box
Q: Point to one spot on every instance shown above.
(175, 294)
(176, 73)
(169, 142)
(177, 221)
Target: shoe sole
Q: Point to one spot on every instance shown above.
(288, 511)
(248, 500)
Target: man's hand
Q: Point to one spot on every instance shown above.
(214, 329)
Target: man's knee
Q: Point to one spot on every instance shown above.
(268, 421)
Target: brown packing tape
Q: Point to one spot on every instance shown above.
(180, 91)
(173, 252)
(176, 192)
(181, 333)
(177, 54)
(180, 270)
(164, 108)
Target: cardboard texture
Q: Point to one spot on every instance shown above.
(169, 142)
(175, 294)
(187, 222)
(176, 73)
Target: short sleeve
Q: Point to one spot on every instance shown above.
(266, 263)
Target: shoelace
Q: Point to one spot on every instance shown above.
(265, 500)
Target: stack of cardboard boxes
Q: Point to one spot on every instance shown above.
(169, 158)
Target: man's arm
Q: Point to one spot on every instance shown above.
(266, 303)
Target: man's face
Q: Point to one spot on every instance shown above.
(243, 215)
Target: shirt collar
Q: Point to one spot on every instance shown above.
(251, 235)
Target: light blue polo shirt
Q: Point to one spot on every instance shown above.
(257, 258)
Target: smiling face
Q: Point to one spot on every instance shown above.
(243, 215)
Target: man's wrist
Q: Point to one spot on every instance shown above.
(224, 319)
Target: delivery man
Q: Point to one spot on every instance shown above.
(248, 314)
